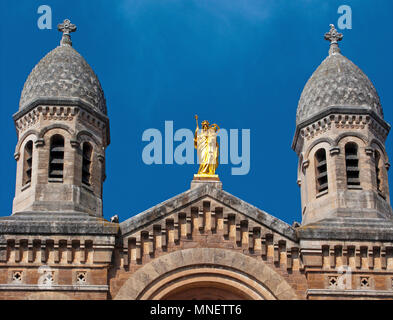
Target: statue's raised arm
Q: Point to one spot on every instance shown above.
(196, 133)
(215, 126)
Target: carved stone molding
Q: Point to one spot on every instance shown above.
(345, 122)
(335, 151)
(75, 144)
(101, 158)
(369, 151)
(306, 164)
(56, 113)
(39, 143)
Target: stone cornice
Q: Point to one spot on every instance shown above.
(54, 287)
(178, 202)
(63, 108)
(346, 117)
(59, 102)
(348, 229)
(35, 223)
(350, 293)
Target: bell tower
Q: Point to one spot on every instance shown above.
(63, 131)
(340, 140)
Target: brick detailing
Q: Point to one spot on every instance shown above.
(210, 223)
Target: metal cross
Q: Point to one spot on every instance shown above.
(333, 36)
(66, 27)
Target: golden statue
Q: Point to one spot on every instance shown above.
(205, 141)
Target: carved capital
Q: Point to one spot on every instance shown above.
(335, 151)
(306, 164)
(39, 143)
(369, 151)
(75, 144)
(100, 158)
(16, 156)
(387, 166)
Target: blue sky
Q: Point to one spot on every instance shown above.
(241, 64)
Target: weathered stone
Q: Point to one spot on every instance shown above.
(205, 242)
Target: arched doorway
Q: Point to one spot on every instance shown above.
(206, 291)
(205, 282)
(205, 273)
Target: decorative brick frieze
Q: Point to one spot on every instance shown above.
(35, 251)
(57, 114)
(92, 120)
(28, 120)
(344, 122)
(357, 255)
(208, 222)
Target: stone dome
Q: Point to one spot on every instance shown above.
(64, 74)
(337, 82)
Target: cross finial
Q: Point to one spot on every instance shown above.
(333, 36)
(66, 27)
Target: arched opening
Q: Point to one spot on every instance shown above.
(27, 163)
(87, 151)
(352, 164)
(200, 282)
(378, 172)
(300, 171)
(206, 291)
(185, 272)
(56, 159)
(321, 171)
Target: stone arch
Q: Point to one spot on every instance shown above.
(55, 126)
(381, 147)
(351, 134)
(252, 277)
(318, 141)
(22, 139)
(380, 167)
(79, 137)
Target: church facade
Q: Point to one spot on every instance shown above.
(204, 243)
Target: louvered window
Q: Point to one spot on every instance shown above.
(56, 160)
(352, 164)
(321, 170)
(86, 164)
(28, 161)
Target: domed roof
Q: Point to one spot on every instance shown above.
(64, 74)
(337, 82)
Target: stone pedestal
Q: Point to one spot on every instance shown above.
(201, 179)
